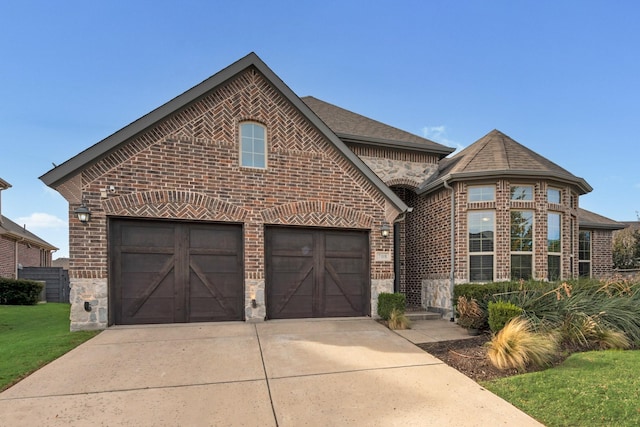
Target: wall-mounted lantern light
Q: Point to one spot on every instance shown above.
(83, 213)
(384, 230)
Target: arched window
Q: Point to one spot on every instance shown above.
(253, 145)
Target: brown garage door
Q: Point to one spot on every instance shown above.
(316, 273)
(172, 272)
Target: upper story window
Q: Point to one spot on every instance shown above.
(253, 145)
(485, 193)
(553, 195)
(521, 192)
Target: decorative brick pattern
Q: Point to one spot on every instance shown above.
(187, 167)
(317, 212)
(174, 204)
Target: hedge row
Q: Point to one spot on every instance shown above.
(19, 291)
(387, 302)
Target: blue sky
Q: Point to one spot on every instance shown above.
(562, 78)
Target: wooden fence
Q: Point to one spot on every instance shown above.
(56, 280)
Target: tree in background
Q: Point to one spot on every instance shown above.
(626, 248)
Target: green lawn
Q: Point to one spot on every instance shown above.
(32, 336)
(598, 388)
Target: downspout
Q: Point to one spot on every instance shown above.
(453, 247)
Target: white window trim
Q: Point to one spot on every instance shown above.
(531, 186)
(559, 194)
(492, 186)
(493, 253)
(266, 148)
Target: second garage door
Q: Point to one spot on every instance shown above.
(316, 273)
(171, 272)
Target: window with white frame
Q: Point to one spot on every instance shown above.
(481, 226)
(521, 192)
(554, 246)
(521, 245)
(553, 195)
(584, 253)
(482, 193)
(253, 145)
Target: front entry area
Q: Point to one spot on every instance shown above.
(175, 272)
(315, 272)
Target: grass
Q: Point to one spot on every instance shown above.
(597, 388)
(32, 336)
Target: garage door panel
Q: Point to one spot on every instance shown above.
(136, 284)
(144, 263)
(220, 264)
(148, 235)
(316, 272)
(346, 265)
(149, 313)
(215, 237)
(193, 273)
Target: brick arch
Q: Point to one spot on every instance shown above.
(404, 183)
(316, 212)
(173, 204)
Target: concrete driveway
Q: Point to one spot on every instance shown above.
(278, 373)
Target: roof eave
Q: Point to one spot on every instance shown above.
(387, 143)
(599, 226)
(580, 183)
(22, 238)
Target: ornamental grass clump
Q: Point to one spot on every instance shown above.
(517, 345)
(587, 331)
(398, 320)
(471, 315)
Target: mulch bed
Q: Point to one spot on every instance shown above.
(469, 356)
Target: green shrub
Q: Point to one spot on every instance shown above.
(19, 292)
(500, 312)
(387, 302)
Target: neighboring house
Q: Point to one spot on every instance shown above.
(18, 246)
(238, 200)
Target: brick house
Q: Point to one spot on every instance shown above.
(18, 246)
(238, 200)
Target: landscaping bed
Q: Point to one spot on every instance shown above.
(469, 356)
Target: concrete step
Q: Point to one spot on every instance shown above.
(423, 315)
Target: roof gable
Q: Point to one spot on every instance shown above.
(94, 153)
(352, 127)
(496, 154)
(4, 184)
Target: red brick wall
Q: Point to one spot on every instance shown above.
(438, 228)
(31, 256)
(601, 253)
(7, 258)
(188, 167)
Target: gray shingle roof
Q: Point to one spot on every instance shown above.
(352, 127)
(12, 229)
(496, 154)
(588, 219)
